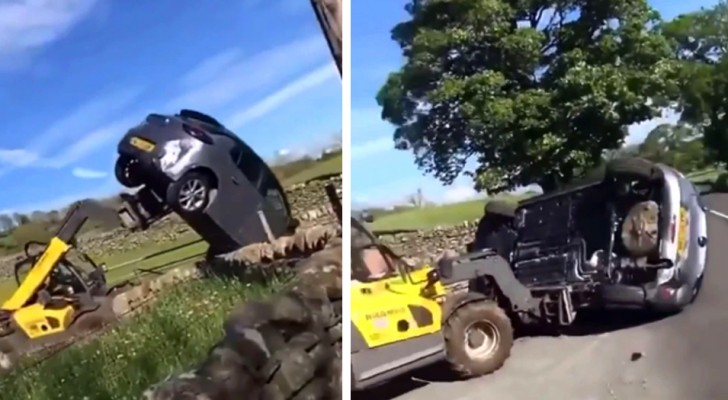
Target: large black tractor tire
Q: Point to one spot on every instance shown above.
(285, 348)
(190, 195)
(479, 338)
(127, 172)
(632, 167)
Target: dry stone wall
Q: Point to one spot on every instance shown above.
(308, 201)
(424, 246)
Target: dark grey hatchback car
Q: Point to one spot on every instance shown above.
(192, 165)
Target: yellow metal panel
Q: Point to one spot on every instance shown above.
(37, 321)
(378, 308)
(37, 275)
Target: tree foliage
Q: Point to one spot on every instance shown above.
(679, 146)
(532, 90)
(700, 42)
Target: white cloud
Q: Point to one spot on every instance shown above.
(41, 150)
(211, 68)
(366, 121)
(106, 188)
(17, 157)
(27, 25)
(231, 76)
(86, 173)
(278, 98)
(459, 193)
(372, 147)
(89, 115)
(90, 142)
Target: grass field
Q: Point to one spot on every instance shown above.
(159, 256)
(434, 216)
(455, 213)
(325, 167)
(174, 333)
(124, 266)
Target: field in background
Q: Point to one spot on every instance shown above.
(157, 257)
(429, 217)
(174, 333)
(437, 215)
(326, 166)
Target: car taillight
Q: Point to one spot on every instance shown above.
(197, 133)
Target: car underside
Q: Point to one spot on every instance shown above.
(569, 246)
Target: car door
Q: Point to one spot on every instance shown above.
(259, 177)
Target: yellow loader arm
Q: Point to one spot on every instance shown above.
(54, 252)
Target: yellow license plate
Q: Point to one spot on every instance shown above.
(142, 144)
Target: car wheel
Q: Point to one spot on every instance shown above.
(478, 338)
(501, 208)
(127, 172)
(632, 166)
(191, 193)
(494, 231)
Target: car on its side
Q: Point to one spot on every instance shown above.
(193, 165)
(633, 236)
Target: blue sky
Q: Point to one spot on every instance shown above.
(76, 74)
(382, 175)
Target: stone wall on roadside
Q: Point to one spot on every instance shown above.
(428, 245)
(308, 201)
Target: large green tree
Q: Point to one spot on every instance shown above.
(700, 41)
(532, 90)
(677, 145)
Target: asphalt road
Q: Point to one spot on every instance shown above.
(684, 356)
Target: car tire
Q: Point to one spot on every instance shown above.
(501, 208)
(632, 166)
(494, 231)
(127, 172)
(496, 333)
(190, 195)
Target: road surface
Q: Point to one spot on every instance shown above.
(681, 357)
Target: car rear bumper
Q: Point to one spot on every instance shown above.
(149, 165)
(668, 296)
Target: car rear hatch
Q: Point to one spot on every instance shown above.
(146, 140)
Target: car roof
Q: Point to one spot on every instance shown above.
(199, 120)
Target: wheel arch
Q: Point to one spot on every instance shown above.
(456, 301)
(207, 171)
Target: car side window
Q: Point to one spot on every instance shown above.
(245, 160)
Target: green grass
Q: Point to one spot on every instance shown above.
(455, 213)
(173, 335)
(124, 266)
(434, 216)
(707, 175)
(326, 167)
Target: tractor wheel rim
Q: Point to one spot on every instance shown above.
(482, 339)
(192, 195)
